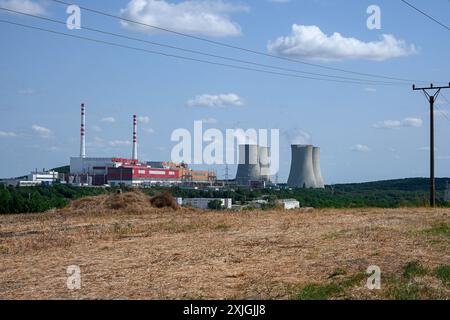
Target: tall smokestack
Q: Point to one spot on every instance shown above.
(83, 132)
(135, 153)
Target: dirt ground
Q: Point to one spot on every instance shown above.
(127, 250)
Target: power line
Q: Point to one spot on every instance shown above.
(261, 53)
(369, 81)
(425, 14)
(182, 57)
(443, 112)
(445, 98)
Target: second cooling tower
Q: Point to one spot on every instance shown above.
(264, 163)
(305, 167)
(317, 169)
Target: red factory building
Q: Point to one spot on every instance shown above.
(141, 175)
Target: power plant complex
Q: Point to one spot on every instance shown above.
(253, 170)
(116, 171)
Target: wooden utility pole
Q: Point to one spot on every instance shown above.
(431, 97)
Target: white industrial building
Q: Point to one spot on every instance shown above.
(34, 179)
(289, 204)
(202, 203)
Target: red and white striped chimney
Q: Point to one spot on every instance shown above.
(135, 152)
(83, 132)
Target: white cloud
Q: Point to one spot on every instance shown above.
(221, 100)
(8, 134)
(41, 131)
(118, 143)
(27, 91)
(202, 17)
(412, 122)
(396, 124)
(311, 43)
(149, 130)
(209, 120)
(97, 142)
(370, 89)
(144, 119)
(96, 128)
(108, 120)
(279, 1)
(26, 6)
(360, 148)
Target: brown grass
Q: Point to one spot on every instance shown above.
(164, 200)
(128, 249)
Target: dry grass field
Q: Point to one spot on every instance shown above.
(127, 249)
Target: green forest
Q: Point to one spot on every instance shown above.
(382, 194)
(39, 199)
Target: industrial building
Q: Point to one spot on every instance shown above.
(305, 167)
(289, 204)
(35, 179)
(202, 203)
(114, 171)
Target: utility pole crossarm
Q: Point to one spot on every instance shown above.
(431, 99)
(431, 87)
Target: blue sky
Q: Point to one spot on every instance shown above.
(366, 132)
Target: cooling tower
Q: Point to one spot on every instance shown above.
(316, 167)
(302, 169)
(264, 163)
(248, 167)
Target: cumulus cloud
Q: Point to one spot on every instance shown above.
(209, 120)
(360, 148)
(202, 17)
(144, 119)
(310, 42)
(214, 101)
(8, 134)
(41, 131)
(396, 124)
(118, 143)
(26, 6)
(108, 120)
